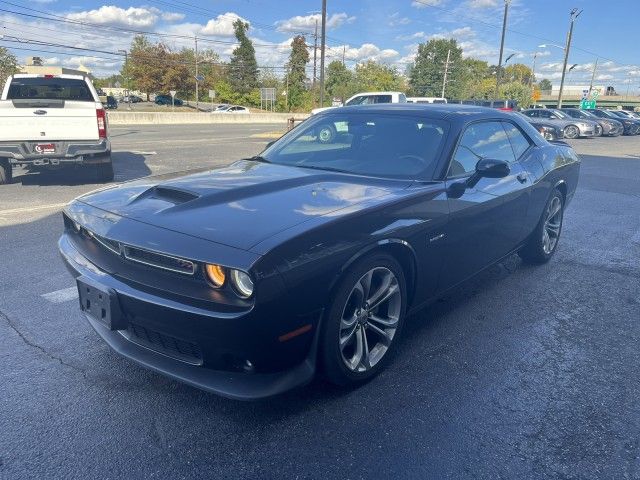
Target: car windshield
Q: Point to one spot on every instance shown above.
(373, 144)
(49, 89)
(562, 114)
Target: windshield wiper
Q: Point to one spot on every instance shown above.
(258, 158)
(328, 169)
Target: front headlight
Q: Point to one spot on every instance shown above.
(242, 283)
(216, 274)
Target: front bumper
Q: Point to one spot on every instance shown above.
(186, 342)
(67, 152)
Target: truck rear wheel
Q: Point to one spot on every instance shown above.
(105, 172)
(6, 174)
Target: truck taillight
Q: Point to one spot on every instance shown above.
(101, 116)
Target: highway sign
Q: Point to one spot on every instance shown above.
(587, 104)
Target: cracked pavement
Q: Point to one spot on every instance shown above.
(523, 372)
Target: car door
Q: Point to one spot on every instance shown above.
(486, 220)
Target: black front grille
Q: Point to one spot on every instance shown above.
(159, 260)
(166, 344)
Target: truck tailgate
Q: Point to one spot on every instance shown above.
(72, 120)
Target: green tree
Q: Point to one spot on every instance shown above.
(340, 81)
(243, 67)
(8, 64)
(545, 85)
(372, 76)
(296, 71)
(426, 75)
(517, 91)
(473, 73)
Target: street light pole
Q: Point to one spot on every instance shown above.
(575, 13)
(593, 76)
(126, 79)
(504, 30)
(197, 98)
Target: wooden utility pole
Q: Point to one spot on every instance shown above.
(504, 30)
(322, 47)
(197, 82)
(575, 13)
(446, 72)
(315, 54)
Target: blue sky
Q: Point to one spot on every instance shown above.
(387, 31)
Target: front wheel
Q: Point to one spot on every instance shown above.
(544, 240)
(6, 174)
(364, 320)
(571, 132)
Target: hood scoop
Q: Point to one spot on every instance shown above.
(169, 194)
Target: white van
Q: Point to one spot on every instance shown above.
(426, 100)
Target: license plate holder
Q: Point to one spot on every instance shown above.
(100, 303)
(45, 148)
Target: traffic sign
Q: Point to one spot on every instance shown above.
(212, 94)
(587, 104)
(172, 93)
(200, 78)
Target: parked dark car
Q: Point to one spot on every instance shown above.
(610, 127)
(572, 127)
(549, 130)
(631, 127)
(166, 100)
(246, 280)
(111, 103)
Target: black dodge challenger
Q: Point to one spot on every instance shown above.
(246, 280)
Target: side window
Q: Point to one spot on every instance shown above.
(480, 140)
(402, 98)
(381, 99)
(519, 141)
(533, 113)
(545, 114)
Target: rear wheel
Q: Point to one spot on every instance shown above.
(544, 240)
(104, 172)
(364, 321)
(6, 173)
(326, 133)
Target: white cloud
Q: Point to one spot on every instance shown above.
(476, 4)
(308, 22)
(222, 25)
(425, 3)
(411, 36)
(396, 20)
(604, 77)
(172, 16)
(112, 15)
(367, 51)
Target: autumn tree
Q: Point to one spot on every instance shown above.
(243, 67)
(517, 72)
(145, 66)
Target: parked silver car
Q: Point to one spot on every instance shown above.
(572, 127)
(610, 127)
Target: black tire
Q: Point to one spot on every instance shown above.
(535, 251)
(332, 361)
(6, 172)
(326, 133)
(104, 172)
(571, 132)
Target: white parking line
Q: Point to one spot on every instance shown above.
(31, 209)
(61, 296)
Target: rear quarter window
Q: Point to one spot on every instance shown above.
(49, 89)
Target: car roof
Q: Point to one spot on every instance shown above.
(433, 110)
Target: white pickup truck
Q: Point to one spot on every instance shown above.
(49, 121)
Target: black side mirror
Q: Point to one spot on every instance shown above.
(488, 168)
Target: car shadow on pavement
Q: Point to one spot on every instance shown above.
(127, 166)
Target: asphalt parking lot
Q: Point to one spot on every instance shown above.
(524, 372)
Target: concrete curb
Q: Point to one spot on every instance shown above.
(176, 118)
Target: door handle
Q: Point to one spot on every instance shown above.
(522, 177)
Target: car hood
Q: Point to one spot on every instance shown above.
(243, 204)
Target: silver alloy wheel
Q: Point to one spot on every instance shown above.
(370, 319)
(571, 131)
(552, 225)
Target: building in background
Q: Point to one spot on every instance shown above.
(35, 65)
